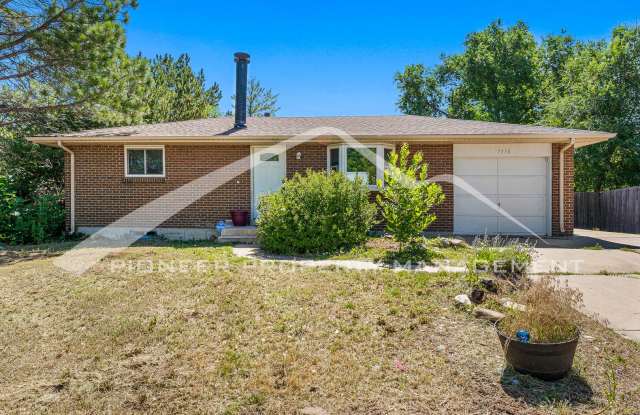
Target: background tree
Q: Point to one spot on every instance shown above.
(421, 92)
(496, 78)
(71, 46)
(599, 89)
(260, 100)
(63, 68)
(504, 75)
(177, 93)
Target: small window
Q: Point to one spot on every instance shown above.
(269, 157)
(142, 161)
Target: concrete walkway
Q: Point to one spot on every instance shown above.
(253, 252)
(614, 299)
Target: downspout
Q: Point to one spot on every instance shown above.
(561, 199)
(73, 187)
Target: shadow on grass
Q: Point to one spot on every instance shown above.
(572, 389)
(13, 254)
(10, 255)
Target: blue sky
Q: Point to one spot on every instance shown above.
(339, 57)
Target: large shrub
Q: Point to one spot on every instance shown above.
(34, 221)
(315, 213)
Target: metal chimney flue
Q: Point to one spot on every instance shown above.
(242, 63)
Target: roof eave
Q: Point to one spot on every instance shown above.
(581, 139)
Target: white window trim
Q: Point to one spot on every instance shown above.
(141, 147)
(342, 158)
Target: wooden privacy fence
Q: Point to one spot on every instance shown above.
(614, 210)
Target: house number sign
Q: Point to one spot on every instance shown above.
(503, 150)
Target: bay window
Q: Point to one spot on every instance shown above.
(353, 162)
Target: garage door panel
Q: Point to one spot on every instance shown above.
(467, 205)
(475, 225)
(525, 206)
(518, 183)
(487, 185)
(522, 185)
(537, 224)
(475, 166)
(522, 166)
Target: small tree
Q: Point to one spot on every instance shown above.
(260, 100)
(406, 198)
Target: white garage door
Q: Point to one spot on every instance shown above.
(518, 184)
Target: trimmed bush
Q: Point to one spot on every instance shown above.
(316, 213)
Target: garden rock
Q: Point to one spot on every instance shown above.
(489, 285)
(463, 299)
(451, 243)
(486, 314)
(505, 302)
(477, 296)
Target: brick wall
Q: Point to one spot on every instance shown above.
(103, 194)
(568, 190)
(312, 156)
(439, 157)
(67, 192)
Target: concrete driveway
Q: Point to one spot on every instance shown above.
(612, 299)
(591, 255)
(589, 252)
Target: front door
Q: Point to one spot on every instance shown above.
(268, 169)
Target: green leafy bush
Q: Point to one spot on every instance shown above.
(315, 213)
(23, 221)
(406, 198)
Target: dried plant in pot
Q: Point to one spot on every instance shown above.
(541, 339)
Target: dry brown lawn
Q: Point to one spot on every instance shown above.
(251, 339)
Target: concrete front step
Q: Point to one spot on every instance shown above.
(244, 234)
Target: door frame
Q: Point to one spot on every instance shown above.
(282, 149)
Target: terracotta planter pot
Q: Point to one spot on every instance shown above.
(240, 217)
(547, 361)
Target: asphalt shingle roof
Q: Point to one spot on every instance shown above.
(373, 126)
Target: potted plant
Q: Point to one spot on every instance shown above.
(540, 339)
(240, 217)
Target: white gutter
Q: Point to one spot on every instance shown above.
(72, 185)
(562, 150)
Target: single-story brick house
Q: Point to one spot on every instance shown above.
(525, 169)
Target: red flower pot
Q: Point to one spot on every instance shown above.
(240, 217)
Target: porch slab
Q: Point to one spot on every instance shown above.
(243, 234)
